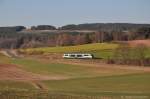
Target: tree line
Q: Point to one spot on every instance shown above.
(13, 37)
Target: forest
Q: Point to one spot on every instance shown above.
(48, 35)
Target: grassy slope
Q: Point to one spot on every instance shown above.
(4, 59)
(87, 80)
(132, 83)
(67, 70)
(78, 48)
(83, 79)
(148, 53)
(105, 80)
(14, 85)
(100, 50)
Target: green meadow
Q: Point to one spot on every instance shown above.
(78, 48)
(129, 83)
(99, 50)
(15, 85)
(67, 70)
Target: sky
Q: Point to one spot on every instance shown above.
(62, 12)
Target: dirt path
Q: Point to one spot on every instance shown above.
(15, 73)
(39, 85)
(5, 53)
(135, 43)
(10, 53)
(139, 43)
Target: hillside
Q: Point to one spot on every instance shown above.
(100, 50)
(78, 48)
(72, 77)
(34, 72)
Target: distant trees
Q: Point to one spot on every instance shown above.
(83, 39)
(143, 33)
(69, 27)
(105, 27)
(43, 27)
(11, 29)
(80, 39)
(13, 37)
(64, 40)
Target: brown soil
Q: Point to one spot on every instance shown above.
(13, 72)
(139, 43)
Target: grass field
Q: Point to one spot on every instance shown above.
(4, 59)
(67, 70)
(15, 85)
(54, 69)
(80, 79)
(89, 80)
(78, 48)
(100, 50)
(130, 83)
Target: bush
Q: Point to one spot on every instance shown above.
(131, 56)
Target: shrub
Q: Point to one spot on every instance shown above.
(131, 56)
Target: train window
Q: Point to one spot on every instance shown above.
(72, 55)
(79, 55)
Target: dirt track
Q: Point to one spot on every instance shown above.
(135, 43)
(13, 72)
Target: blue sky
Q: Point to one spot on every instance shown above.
(62, 12)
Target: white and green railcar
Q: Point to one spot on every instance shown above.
(78, 56)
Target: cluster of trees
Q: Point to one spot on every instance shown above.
(11, 29)
(105, 27)
(131, 56)
(26, 40)
(43, 27)
(13, 37)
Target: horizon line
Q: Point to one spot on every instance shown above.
(29, 26)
